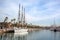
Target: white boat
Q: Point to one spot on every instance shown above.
(20, 34)
(20, 30)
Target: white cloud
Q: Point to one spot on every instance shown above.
(39, 18)
(34, 10)
(34, 14)
(50, 4)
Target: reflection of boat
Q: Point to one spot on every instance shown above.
(18, 36)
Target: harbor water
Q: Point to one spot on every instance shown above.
(34, 35)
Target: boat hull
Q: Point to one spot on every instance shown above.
(20, 30)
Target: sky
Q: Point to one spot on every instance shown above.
(38, 12)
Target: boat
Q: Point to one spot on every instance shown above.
(53, 29)
(20, 30)
(21, 20)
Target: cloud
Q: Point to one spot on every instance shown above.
(50, 12)
(36, 10)
(34, 19)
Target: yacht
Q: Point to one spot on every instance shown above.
(21, 19)
(20, 30)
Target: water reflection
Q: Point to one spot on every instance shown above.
(12, 36)
(56, 35)
(18, 36)
(6, 36)
(35, 35)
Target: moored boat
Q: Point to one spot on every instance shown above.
(20, 30)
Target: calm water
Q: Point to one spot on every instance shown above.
(35, 35)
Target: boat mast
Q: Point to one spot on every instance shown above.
(22, 17)
(54, 23)
(25, 19)
(19, 15)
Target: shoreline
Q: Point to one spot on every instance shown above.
(29, 29)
